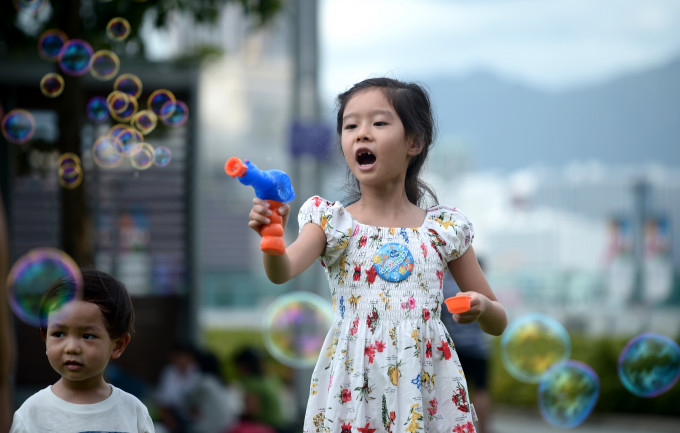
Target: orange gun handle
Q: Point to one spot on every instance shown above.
(272, 234)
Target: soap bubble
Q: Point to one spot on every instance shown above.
(567, 393)
(128, 83)
(144, 121)
(104, 65)
(118, 29)
(649, 365)
(32, 274)
(50, 44)
(162, 156)
(106, 152)
(179, 113)
(74, 58)
(162, 102)
(52, 85)
(18, 126)
(142, 156)
(70, 171)
(531, 344)
(295, 326)
(97, 109)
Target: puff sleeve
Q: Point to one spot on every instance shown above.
(450, 230)
(336, 223)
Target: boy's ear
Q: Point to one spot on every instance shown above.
(119, 345)
(43, 333)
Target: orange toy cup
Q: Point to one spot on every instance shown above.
(457, 304)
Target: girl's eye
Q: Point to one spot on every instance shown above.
(88, 337)
(380, 123)
(350, 126)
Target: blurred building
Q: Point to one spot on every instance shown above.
(589, 243)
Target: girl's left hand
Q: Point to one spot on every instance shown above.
(478, 305)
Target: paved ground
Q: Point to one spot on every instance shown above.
(512, 421)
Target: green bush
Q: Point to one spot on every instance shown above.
(601, 354)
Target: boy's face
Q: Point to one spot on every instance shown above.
(78, 345)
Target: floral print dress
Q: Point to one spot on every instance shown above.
(388, 364)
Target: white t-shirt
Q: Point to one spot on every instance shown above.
(44, 412)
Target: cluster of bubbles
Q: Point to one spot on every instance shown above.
(126, 140)
(535, 348)
(32, 274)
(295, 326)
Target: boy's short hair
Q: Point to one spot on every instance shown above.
(99, 288)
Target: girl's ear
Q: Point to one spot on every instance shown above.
(415, 146)
(119, 345)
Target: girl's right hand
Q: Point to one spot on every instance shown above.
(260, 213)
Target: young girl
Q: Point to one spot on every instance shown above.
(388, 363)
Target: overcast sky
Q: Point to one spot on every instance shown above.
(552, 44)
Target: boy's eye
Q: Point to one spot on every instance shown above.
(88, 337)
(58, 334)
(350, 126)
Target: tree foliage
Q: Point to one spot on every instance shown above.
(87, 19)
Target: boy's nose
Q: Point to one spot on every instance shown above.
(72, 346)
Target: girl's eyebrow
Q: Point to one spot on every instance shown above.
(371, 113)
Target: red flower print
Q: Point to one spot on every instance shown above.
(355, 326)
(426, 314)
(440, 276)
(370, 352)
(346, 428)
(433, 406)
(379, 346)
(317, 200)
(362, 241)
(357, 273)
(458, 429)
(393, 416)
(428, 349)
(371, 273)
(372, 320)
(470, 427)
(356, 230)
(423, 247)
(366, 429)
(444, 348)
(346, 395)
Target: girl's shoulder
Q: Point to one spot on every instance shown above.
(324, 213)
(445, 217)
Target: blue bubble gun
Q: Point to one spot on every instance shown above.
(271, 185)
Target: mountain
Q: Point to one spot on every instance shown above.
(505, 125)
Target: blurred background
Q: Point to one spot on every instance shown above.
(558, 135)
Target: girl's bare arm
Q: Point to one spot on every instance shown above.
(484, 306)
(299, 255)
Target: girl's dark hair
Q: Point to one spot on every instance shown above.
(412, 104)
(99, 288)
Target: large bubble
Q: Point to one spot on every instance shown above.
(295, 326)
(649, 365)
(531, 344)
(32, 274)
(567, 393)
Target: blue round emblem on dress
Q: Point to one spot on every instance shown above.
(393, 262)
